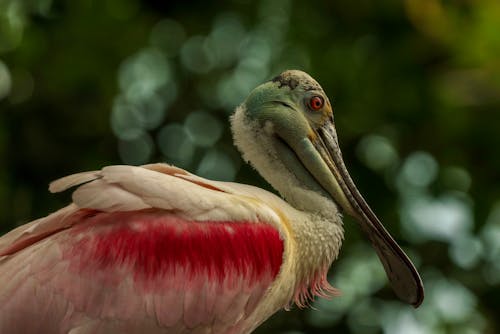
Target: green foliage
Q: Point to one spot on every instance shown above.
(415, 86)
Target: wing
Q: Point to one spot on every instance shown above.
(140, 250)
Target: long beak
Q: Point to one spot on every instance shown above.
(404, 278)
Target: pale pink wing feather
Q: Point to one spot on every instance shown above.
(47, 284)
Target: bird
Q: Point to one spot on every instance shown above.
(157, 249)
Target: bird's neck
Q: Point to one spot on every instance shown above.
(316, 223)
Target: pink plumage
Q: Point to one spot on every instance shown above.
(88, 270)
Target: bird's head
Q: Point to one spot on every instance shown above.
(296, 116)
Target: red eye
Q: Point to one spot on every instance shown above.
(316, 103)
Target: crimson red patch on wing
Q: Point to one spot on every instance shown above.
(153, 244)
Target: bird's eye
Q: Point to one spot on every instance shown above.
(316, 103)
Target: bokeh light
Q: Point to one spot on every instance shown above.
(169, 36)
(144, 74)
(377, 152)
(197, 56)
(175, 143)
(5, 80)
(203, 128)
(217, 165)
(136, 151)
(418, 170)
(445, 218)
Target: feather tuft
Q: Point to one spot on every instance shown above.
(316, 285)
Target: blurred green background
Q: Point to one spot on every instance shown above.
(416, 91)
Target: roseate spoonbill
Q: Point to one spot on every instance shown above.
(155, 249)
